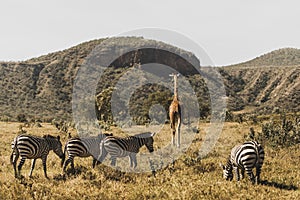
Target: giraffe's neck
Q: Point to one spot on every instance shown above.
(175, 86)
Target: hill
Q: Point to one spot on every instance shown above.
(280, 57)
(41, 88)
(266, 83)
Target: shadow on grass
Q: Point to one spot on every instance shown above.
(278, 185)
(71, 173)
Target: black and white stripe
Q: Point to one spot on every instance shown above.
(83, 147)
(34, 147)
(245, 157)
(129, 146)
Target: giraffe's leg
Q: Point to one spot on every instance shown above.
(178, 130)
(173, 137)
(32, 167)
(172, 121)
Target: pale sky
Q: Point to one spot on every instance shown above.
(230, 31)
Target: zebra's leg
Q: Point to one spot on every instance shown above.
(250, 174)
(70, 158)
(243, 173)
(14, 162)
(259, 166)
(132, 160)
(44, 160)
(94, 162)
(73, 166)
(103, 154)
(257, 177)
(32, 167)
(20, 166)
(237, 173)
(113, 161)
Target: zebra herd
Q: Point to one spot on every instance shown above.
(244, 157)
(34, 147)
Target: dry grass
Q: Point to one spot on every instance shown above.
(187, 178)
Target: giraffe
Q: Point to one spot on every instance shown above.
(175, 114)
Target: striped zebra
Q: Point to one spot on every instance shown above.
(129, 146)
(34, 147)
(245, 157)
(83, 147)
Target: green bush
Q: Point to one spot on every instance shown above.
(281, 133)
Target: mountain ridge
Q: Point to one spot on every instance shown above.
(41, 87)
(287, 56)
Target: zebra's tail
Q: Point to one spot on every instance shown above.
(14, 150)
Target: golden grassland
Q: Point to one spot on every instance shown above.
(187, 178)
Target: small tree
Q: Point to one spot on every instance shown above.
(22, 118)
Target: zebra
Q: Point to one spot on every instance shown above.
(34, 147)
(83, 147)
(122, 147)
(245, 157)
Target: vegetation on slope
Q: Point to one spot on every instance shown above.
(281, 57)
(41, 88)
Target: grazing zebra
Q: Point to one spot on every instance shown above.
(245, 157)
(128, 146)
(83, 147)
(34, 147)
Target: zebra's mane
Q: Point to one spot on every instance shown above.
(50, 137)
(143, 135)
(106, 134)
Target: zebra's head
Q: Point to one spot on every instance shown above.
(149, 143)
(56, 146)
(227, 171)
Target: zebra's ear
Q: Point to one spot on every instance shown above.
(152, 135)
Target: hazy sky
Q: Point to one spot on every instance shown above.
(230, 31)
